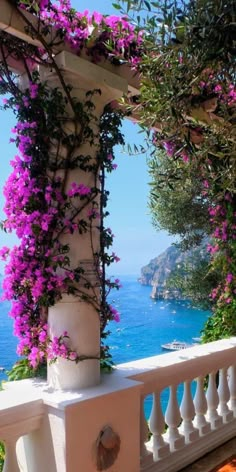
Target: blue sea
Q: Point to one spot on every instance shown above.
(145, 325)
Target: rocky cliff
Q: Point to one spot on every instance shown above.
(158, 270)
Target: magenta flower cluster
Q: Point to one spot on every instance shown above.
(96, 35)
(32, 210)
(223, 220)
(38, 209)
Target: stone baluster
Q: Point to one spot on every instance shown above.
(224, 396)
(200, 404)
(10, 463)
(213, 402)
(187, 411)
(157, 428)
(232, 388)
(173, 419)
(144, 431)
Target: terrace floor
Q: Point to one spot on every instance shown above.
(222, 459)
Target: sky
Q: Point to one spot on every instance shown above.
(136, 241)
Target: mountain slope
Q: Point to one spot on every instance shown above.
(159, 269)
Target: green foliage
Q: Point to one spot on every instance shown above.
(222, 324)
(176, 203)
(2, 456)
(208, 25)
(195, 278)
(188, 97)
(23, 370)
(177, 206)
(182, 54)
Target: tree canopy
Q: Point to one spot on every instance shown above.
(176, 201)
(188, 105)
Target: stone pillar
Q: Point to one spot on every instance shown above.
(78, 318)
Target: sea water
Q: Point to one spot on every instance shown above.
(145, 325)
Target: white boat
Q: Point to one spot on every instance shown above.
(175, 346)
(2, 369)
(197, 340)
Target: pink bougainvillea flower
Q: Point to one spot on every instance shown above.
(229, 278)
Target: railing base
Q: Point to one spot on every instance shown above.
(192, 451)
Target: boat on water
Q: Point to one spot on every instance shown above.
(175, 346)
(197, 340)
(2, 369)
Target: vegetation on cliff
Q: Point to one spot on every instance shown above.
(181, 274)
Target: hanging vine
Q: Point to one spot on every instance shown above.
(42, 207)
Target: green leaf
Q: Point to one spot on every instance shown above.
(116, 6)
(147, 4)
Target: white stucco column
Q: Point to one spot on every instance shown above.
(78, 318)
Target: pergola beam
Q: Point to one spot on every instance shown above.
(13, 23)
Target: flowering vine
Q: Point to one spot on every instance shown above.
(40, 206)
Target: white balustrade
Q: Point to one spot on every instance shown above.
(187, 411)
(173, 420)
(232, 388)
(21, 413)
(200, 405)
(11, 462)
(157, 428)
(224, 396)
(144, 431)
(213, 402)
(204, 420)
